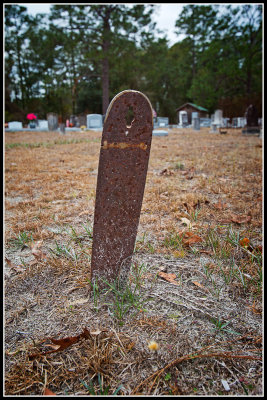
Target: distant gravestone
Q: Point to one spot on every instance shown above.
(62, 128)
(196, 124)
(52, 119)
(81, 120)
(226, 122)
(43, 124)
(15, 125)
(241, 122)
(155, 122)
(234, 122)
(159, 133)
(205, 122)
(194, 115)
(94, 121)
(214, 128)
(218, 118)
(183, 120)
(217, 122)
(252, 125)
(163, 121)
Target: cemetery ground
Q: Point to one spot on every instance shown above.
(195, 286)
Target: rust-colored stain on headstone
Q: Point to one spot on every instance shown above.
(122, 170)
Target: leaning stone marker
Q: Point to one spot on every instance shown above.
(122, 169)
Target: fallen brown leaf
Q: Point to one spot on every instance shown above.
(168, 277)
(199, 285)
(240, 219)
(190, 238)
(62, 344)
(48, 392)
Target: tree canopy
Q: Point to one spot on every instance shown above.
(77, 57)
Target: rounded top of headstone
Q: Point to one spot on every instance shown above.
(126, 93)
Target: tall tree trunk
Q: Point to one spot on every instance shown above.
(105, 82)
(105, 61)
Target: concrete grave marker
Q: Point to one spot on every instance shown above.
(196, 124)
(241, 122)
(62, 128)
(159, 132)
(205, 122)
(163, 122)
(218, 118)
(52, 119)
(94, 121)
(234, 122)
(15, 125)
(82, 120)
(183, 119)
(214, 128)
(122, 169)
(43, 124)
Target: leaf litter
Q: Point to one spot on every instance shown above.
(209, 333)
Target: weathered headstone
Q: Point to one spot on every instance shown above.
(163, 122)
(234, 122)
(15, 125)
(252, 126)
(62, 128)
(81, 120)
(241, 122)
(183, 119)
(214, 128)
(122, 169)
(196, 124)
(205, 122)
(218, 118)
(43, 124)
(226, 122)
(52, 119)
(94, 121)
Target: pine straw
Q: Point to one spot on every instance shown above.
(51, 189)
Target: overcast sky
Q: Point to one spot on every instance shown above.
(165, 16)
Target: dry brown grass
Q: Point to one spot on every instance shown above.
(208, 322)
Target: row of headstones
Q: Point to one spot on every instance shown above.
(91, 121)
(216, 121)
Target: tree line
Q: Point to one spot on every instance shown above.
(76, 58)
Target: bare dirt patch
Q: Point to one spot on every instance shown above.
(195, 287)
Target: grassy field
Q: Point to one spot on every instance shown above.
(195, 287)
